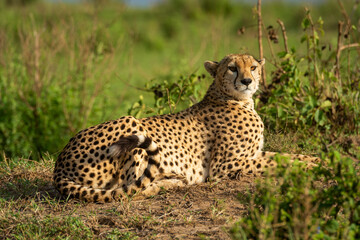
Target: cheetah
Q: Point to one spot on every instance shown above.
(219, 137)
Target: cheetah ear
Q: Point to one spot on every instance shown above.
(211, 67)
(262, 61)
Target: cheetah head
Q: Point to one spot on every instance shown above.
(236, 75)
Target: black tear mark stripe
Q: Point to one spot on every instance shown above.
(235, 82)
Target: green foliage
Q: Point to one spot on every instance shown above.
(169, 95)
(43, 102)
(25, 113)
(322, 203)
(37, 115)
(64, 68)
(305, 92)
(57, 67)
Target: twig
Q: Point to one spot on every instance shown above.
(316, 70)
(181, 91)
(260, 42)
(348, 19)
(348, 64)
(346, 16)
(338, 50)
(169, 102)
(283, 30)
(6, 162)
(346, 33)
(349, 46)
(270, 46)
(37, 80)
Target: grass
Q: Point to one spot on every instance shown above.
(64, 68)
(83, 64)
(52, 228)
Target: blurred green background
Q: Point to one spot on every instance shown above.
(67, 66)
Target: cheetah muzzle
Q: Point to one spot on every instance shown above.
(219, 137)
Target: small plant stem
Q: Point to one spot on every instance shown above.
(348, 19)
(316, 70)
(348, 64)
(169, 101)
(260, 42)
(346, 34)
(179, 98)
(338, 50)
(349, 46)
(283, 30)
(270, 46)
(37, 80)
(346, 16)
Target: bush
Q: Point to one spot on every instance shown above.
(169, 95)
(29, 118)
(44, 101)
(310, 92)
(323, 203)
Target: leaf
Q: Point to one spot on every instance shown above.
(304, 38)
(316, 36)
(280, 112)
(332, 226)
(326, 104)
(305, 23)
(313, 101)
(320, 117)
(282, 54)
(320, 21)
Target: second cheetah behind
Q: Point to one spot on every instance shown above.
(219, 137)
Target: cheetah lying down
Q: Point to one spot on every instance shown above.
(219, 137)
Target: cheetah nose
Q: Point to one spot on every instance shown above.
(246, 81)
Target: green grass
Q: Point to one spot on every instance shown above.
(322, 203)
(52, 228)
(67, 67)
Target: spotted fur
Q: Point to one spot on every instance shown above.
(219, 137)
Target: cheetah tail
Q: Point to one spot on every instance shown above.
(126, 144)
(69, 188)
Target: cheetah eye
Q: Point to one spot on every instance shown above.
(252, 68)
(232, 68)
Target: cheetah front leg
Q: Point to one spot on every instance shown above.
(234, 163)
(266, 159)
